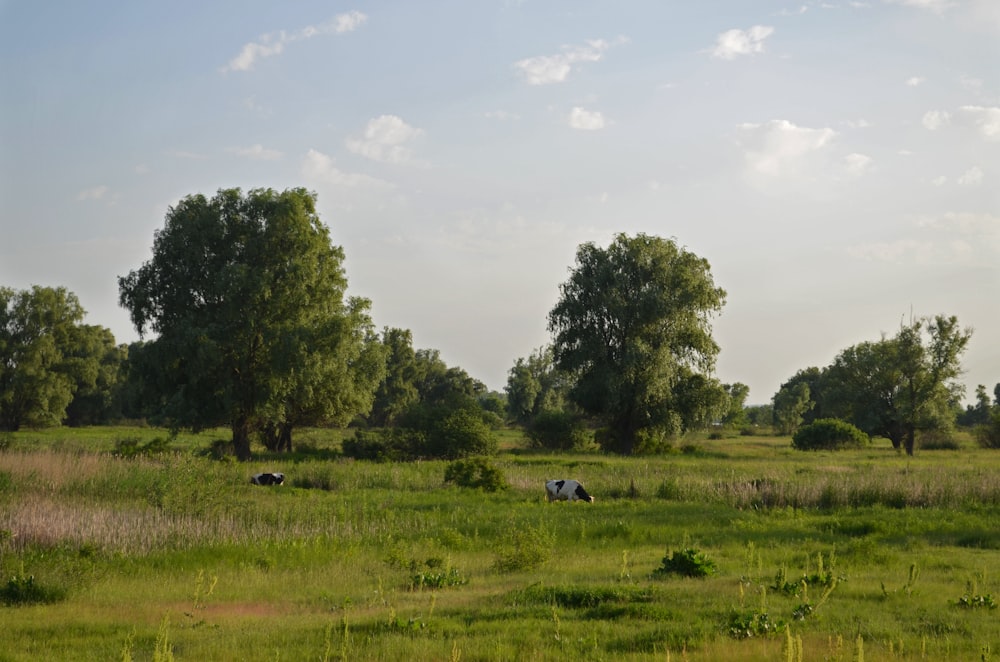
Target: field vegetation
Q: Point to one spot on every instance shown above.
(129, 544)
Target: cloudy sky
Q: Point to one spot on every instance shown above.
(837, 162)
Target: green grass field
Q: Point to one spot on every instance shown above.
(855, 555)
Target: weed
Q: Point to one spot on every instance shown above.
(523, 547)
(435, 574)
(687, 563)
(23, 589)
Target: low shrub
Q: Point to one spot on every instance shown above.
(383, 444)
(988, 436)
(477, 473)
(524, 547)
(687, 563)
(829, 434)
(24, 590)
(558, 430)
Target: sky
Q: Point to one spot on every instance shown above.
(837, 163)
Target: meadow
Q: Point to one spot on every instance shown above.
(125, 544)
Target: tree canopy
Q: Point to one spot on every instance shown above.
(632, 328)
(46, 355)
(246, 294)
(893, 387)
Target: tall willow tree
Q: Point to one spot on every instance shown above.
(246, 295)
(632, 328)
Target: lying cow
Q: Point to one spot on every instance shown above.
(267, 479)
(570, 490)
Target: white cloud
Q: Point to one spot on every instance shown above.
(385, 139)
(587, 120)
(96, 193)
(914, 81)
(936, 6)
(779, 147)
(274, 43)
(935, 119)
(940, 180)
(257, 153)
(986, 118)
(733, 43)
(857, 164)
(953, 237)
(319, 168)
(502, 115)
(545, 69)
(971, 177)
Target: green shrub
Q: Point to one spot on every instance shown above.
(459, 433)
(829, 434)
(383, 444)
(24, 590)
(687, 563)
(558, 430)
(523, 547)
(477, 473)
(988, 436)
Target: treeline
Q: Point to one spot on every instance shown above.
(244, 302)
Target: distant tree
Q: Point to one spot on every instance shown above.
(237, 290)
(536, 385)
(760, 415)
(100, 368)
(329, 371)
(397, 391)
(899, 385)
(632, 328)
(736, 413)
(45, 355)
(790, 405)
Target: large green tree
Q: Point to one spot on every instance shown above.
(46, 355)
(898, 386)
(632, 328)
(246, 295)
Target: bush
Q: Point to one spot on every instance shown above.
(988, 436)
(383, 445)
(477, 473)
(687, 563)
(829, 434)
(459, 433)
(558, 430)
(524, 547)
(24, 590)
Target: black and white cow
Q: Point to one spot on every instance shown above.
(570, 490)
(267, 479)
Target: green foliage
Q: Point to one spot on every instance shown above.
(558, 430)
(247, 296)
(23, 589)
(434, 573)
(47, 356)
(384, 444)
(988, 436)
(686, 563)
(523, 547)
(747, 624)
(829, 434)
(132, 446)
(632, 327)
(459, 433)
(476, 473)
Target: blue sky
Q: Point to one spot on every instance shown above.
(837, 162)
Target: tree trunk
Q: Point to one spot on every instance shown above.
(911, 438)
(285, 437)
(241, 439)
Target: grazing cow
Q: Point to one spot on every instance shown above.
(570, 490)
(267, 479)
